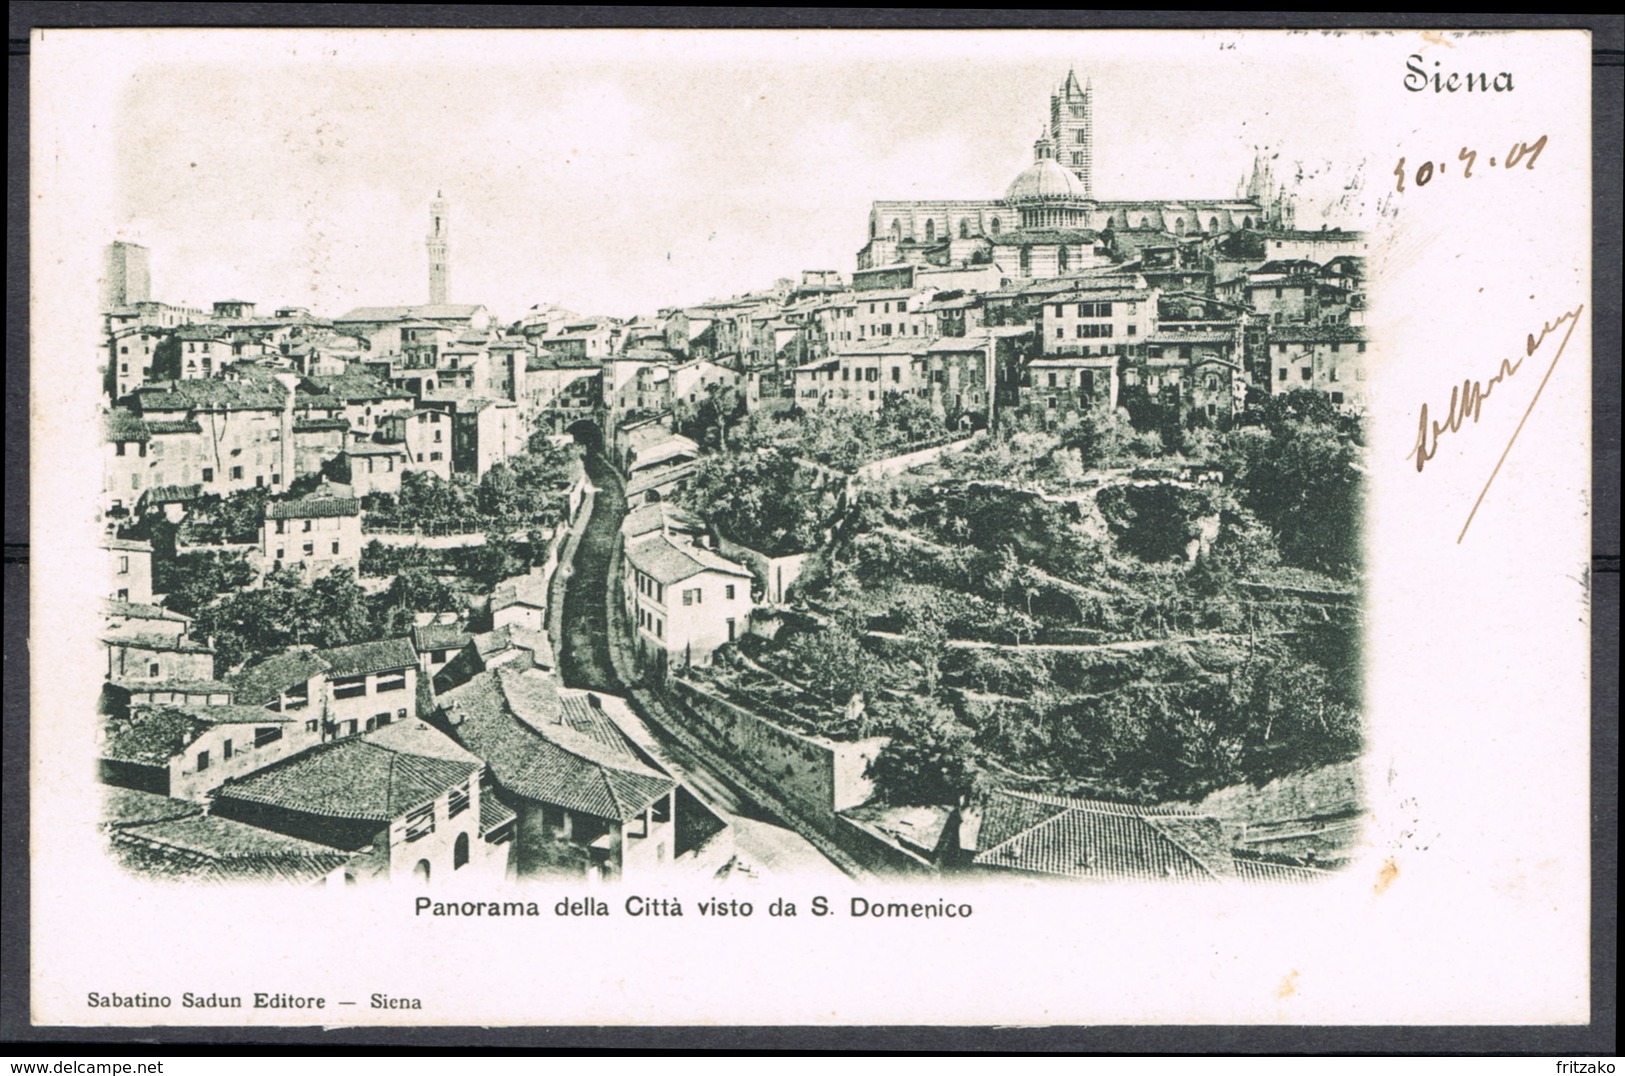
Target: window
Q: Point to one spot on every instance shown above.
(1052, 377)
(1360, 346)
(236, 474)
(420, 823)
(349, 687)
(728, 592)
(1332, 376)
(308, 525)
(395, 681)
(1050, 403)
(692, 596)
(896, 374)
(1337, 397)
(202, 761)
(153, 670)
(437, 656)
(269, 734)
(208, 474)
(1280, 375)
(335, 549)
(310, 726)
(459, 852)
(124, 566)
(310, 548)
(225, 750)
(279, 553)
(1308, 373)
(458, 802)
(1335, 345)
(660, 629)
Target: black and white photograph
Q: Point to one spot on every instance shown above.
(572, 527)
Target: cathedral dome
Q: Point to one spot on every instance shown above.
(1046, 181)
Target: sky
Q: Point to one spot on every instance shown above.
(619, 173)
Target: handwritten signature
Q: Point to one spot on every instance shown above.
(1467, 402)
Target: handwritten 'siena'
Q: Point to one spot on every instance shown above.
(1467, 402)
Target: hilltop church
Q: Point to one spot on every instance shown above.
(1049, 222)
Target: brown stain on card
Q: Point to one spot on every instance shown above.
(1289, 985)
(1385, 877)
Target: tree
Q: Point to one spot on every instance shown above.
(930, 759)
(253, 624)
(229, 520)
(414, 590)
(836, 664)
(193, 580)
(764, 499)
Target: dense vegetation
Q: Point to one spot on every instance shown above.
(525, 490)
(1084, 610)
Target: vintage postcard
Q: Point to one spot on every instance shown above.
(795, 528)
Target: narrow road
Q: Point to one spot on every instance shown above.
(584, 660)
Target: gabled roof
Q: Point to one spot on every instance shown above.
(1094, 839)
(358, 659)
(123, 424)
(660, 516)
(171, 494)
(354, 778)
(356, 387)
(1333, 332)
(325, 502)
(113, 607)
(1258, 871)
(152, 737)
(666, 561)
(520, 590)
(122, 806)
(516, 637)
(263, 684)
(179, 685)
(656, 475)
(155, 734)
(205, 848)
(157, 643)
(211, 394)
(552, 749)
(439, 637)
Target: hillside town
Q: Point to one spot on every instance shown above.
(1028, 547)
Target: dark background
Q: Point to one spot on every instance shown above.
(1598, 1038)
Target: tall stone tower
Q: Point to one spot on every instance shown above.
(1072, 129)
(439, 262)
(126, 277)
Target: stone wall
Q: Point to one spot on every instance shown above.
(823, 776)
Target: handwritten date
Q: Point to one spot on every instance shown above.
(1524, 153)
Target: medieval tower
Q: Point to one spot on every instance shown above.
(439, 263)
(1072, 129)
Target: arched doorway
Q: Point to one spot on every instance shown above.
(459, 852)
(586, 434)
(420, 873)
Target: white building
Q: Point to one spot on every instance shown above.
(313, 534)
(683, 600)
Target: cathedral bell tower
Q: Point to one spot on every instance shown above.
(1072, 129)
(439, 263)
